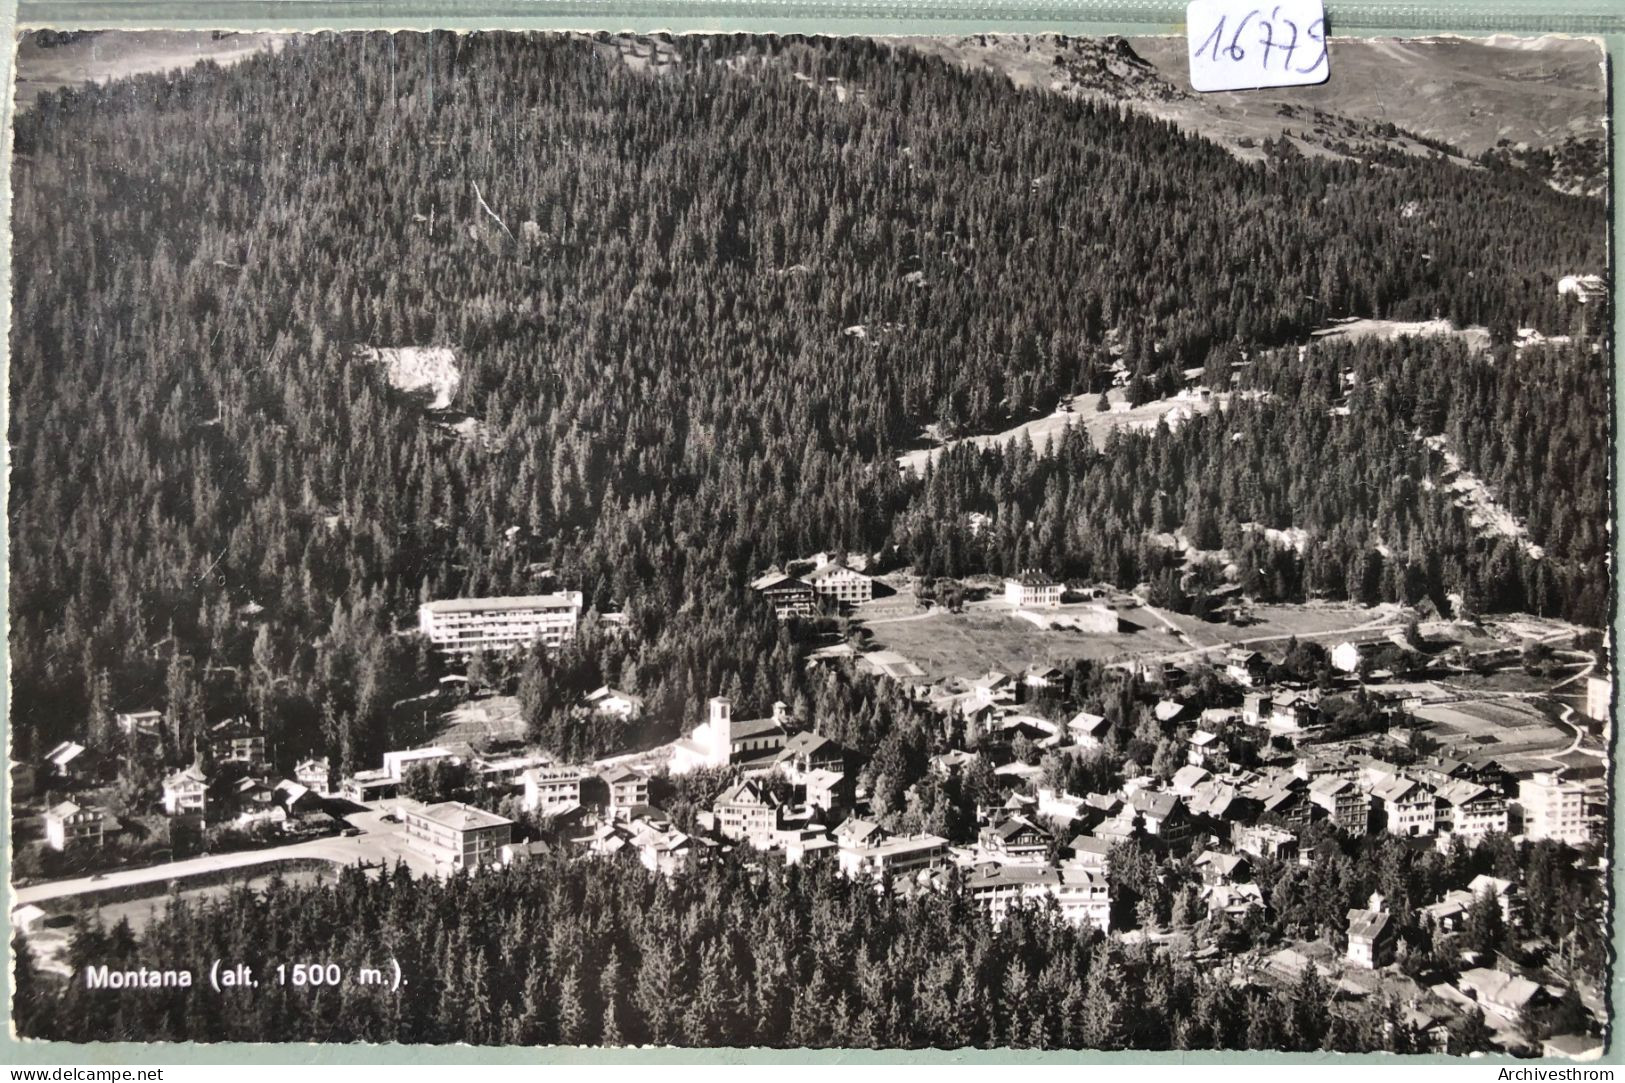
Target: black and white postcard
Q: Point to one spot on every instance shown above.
(543, 539)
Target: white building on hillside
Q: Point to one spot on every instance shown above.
(462, 626)
(722, 739)
(70, 826)
(396, 764)
(1583, 288)
(142, 723)
(892, 856)
(551, 789)
(1346, 657)
(67, 761)
(1553, 808)
(314, 774)
(1599, 698)
(186, 792)
(1082, 894)
(452, 833)
(1471, 811)
(1407, 807)
(837, 581)
(1032, 589)
(613, 701)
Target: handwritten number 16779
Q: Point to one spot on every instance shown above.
(1276, 35)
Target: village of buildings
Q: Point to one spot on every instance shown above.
(1470, 746)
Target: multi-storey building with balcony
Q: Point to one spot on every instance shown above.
(452, 833)
(1471, 811)
(73, 827)
(464, 626)
(841, 583)
(552, 789)
(1553, 808)
(1082, 894)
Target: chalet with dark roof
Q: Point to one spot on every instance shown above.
(806, 752)
(1017, 837)
(1245, 667)
(1163, 816)
(1372, 939)
(789, 596)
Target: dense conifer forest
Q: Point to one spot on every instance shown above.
(1333, 445)
(735, 954)
(654, 285)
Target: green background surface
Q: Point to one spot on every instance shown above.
(1602, 19)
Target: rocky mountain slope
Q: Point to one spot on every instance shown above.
(1532, 103)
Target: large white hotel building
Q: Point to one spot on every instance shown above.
(1553, 808)
(462, 626)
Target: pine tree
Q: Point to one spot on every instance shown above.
(99, 725)
(609, 985)
(1103, 1005)
(1484, 930)
(572, 1020)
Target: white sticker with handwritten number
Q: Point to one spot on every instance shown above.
(1248, 44)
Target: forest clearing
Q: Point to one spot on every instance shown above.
(1356, 329)
(969, 644)
(1514, 732)
(1081, 410)
(1310, 620)
(1484, 511)
(430, 370)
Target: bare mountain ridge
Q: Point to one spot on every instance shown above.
(49, 61)
(1417, 96)
(1108, 68)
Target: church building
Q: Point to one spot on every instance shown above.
(722, 740)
